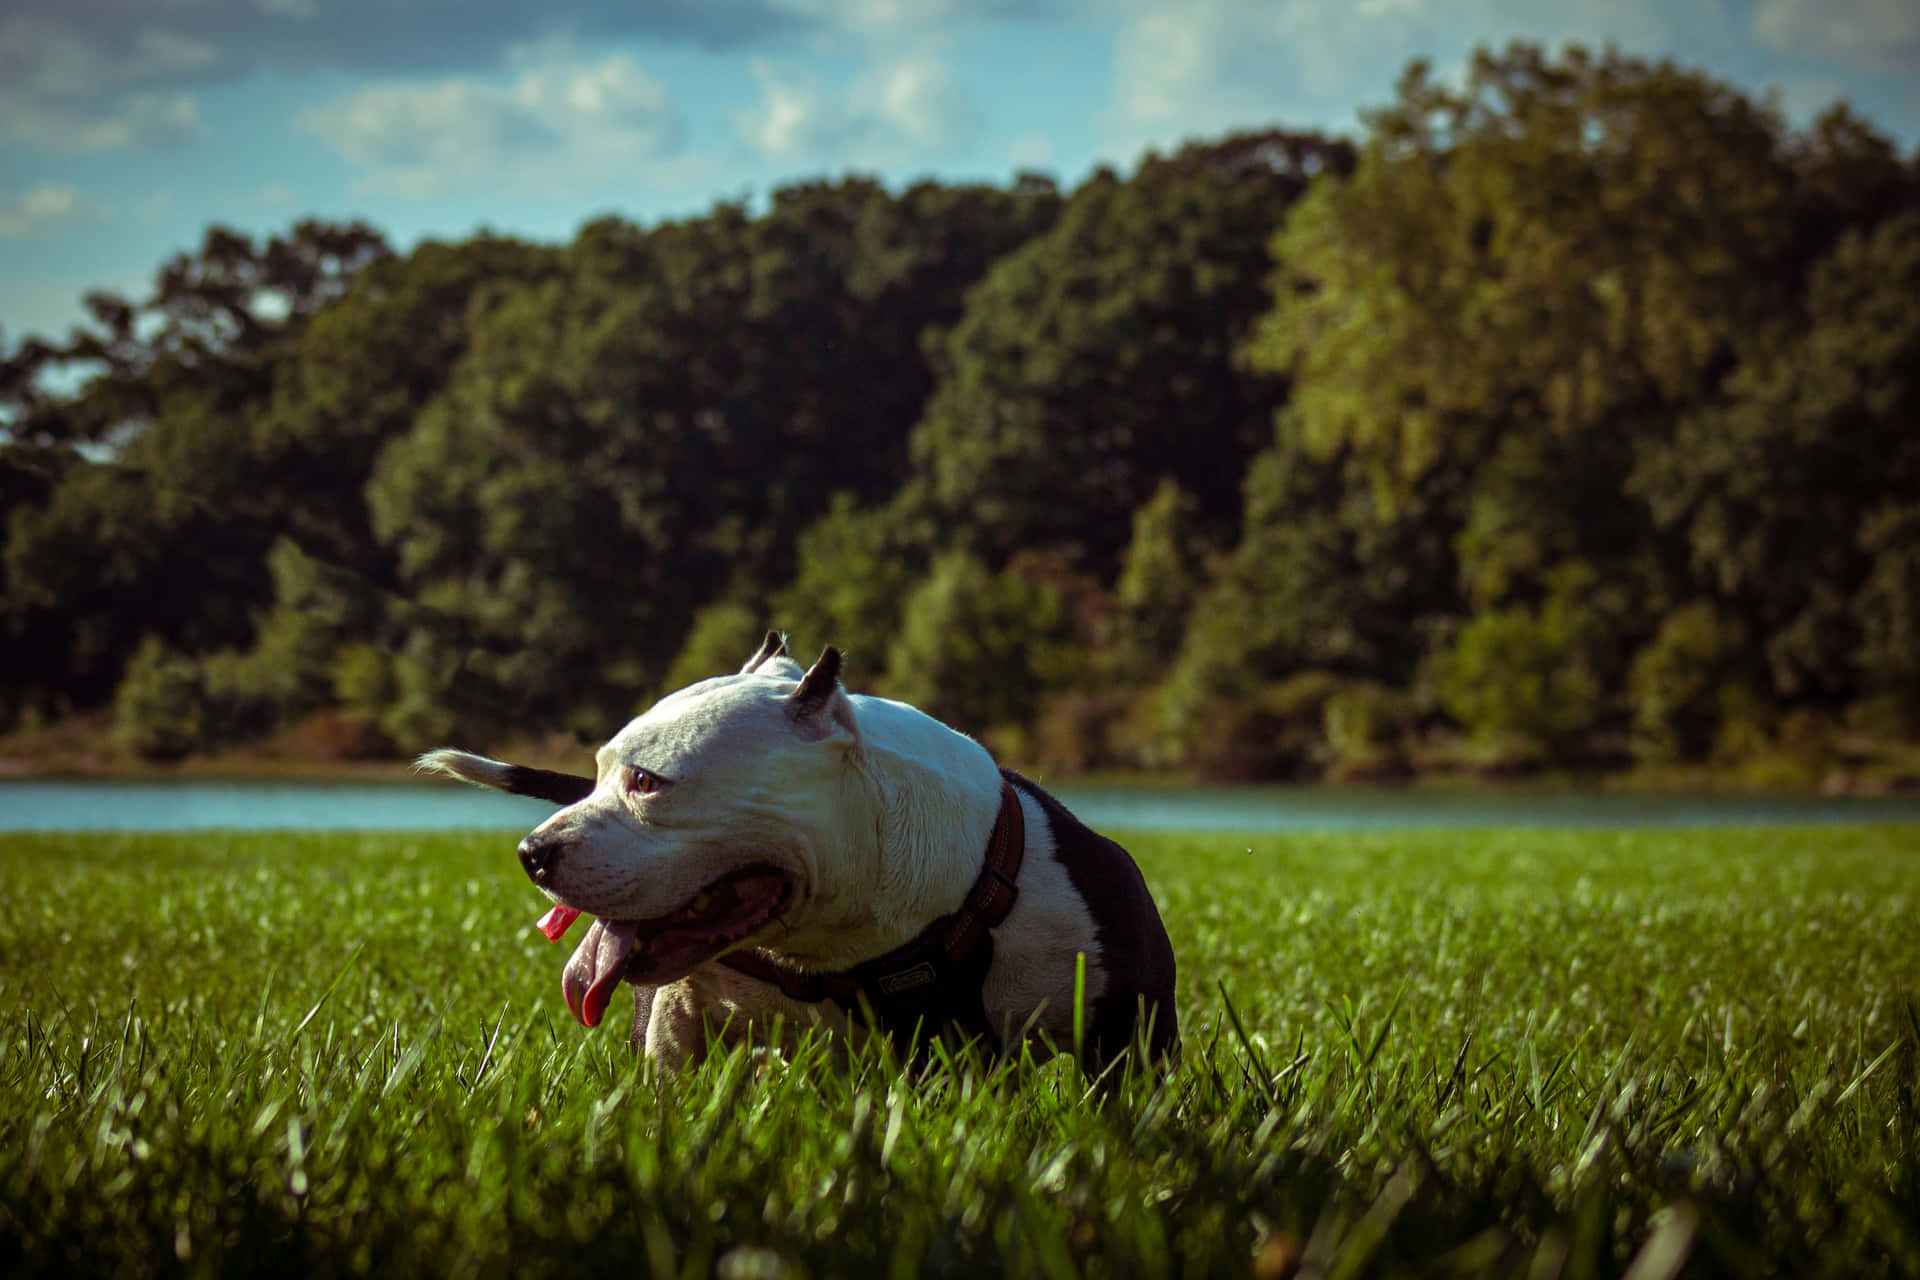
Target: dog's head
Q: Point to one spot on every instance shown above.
(714, 820)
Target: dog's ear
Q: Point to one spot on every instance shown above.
(772, 659)
(819, 705)
(774, 646)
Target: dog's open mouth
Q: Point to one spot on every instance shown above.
(666, 947)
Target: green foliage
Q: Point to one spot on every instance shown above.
(1889, 606)
(651, 432)
(1521, 680)
(1571, 410)
(977, 648)
(170, 536)
(1315, 585)
(363, 679)
(857, 568)
(1681, 682)
(421, 713)
(119, 552)
(159, 710)
(1160, 574)
(1273, 731)
(1508, 333)
(1366, 725)
(1098, 360)
(1569, 242)
(360, 373)
(1791, 495)
(722, 637)
(317, 610)
(489, 533)
(1499, 1053)
(170, 705)
(1085, 728)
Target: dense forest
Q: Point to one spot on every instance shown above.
(1569, 418)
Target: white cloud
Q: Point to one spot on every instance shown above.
(168, 53)
(151, 208)
(141, 119)
(919, 98)
(1030, 151)
(794, 117)
(886, 17)
(1870, 35)
(897, 110)
(274, 195)
(82, 75)
(62, 91)
(1186, 68)
(1389, 8)
(39, 206)
(556, 121)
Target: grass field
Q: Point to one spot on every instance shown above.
(1510, 1053)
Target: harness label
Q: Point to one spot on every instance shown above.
(919, 975)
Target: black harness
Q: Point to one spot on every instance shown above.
(930, 986)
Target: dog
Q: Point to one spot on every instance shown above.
(766, 847)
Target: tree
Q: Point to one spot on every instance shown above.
(1681, 681)
(1492, 328)
(649, 432)
(1794, 497)
(159, 711)
(361, 368)
(1098, 360)
(857, 567)
(1160, 574)
(977, 649)
(233, 297)
(1525, 681)
(721, 635)
(167, 535)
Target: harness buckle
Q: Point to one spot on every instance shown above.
(908, 979)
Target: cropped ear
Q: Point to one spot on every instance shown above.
(818, 705)
(774, 646)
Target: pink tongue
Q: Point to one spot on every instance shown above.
(595, 969)
(557, 921)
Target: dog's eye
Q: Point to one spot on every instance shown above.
(642, 782)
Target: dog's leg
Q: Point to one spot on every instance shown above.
(676, 1029)
(541, 784)
(642, 1012)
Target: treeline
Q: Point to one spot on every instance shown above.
(1572, 417)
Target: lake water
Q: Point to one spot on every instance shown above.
(188, 806)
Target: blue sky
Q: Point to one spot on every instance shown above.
(127, 126)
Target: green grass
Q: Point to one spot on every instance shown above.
(1510, 1053)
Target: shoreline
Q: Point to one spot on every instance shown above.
(80, 748)
(1768, 779)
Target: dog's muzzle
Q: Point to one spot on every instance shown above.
(538, 854)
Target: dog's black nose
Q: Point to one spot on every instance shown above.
(538, 853)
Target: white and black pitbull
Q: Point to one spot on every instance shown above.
(765, 845)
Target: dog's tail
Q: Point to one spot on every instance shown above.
(542, 784)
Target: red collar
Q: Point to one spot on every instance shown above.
(934, 979)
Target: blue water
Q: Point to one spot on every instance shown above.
(189, 806)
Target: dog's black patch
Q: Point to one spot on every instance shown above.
(1133, 943)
